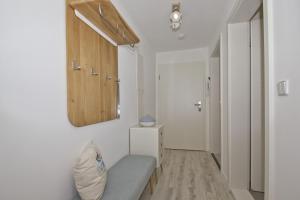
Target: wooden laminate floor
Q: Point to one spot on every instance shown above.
(189, 175)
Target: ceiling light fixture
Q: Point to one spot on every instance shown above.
(176, 17)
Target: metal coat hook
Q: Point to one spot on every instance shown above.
(93, 73)
(100, 10)
(75, 65)
(108, 77)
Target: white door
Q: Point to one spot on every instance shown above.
(180, 87)
(257, 104)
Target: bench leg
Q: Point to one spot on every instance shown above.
(156, 178)
(151, 185)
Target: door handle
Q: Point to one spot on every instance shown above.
(199, 105)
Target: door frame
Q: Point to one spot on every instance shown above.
(189, 55)
(269, 97)
(259, 13)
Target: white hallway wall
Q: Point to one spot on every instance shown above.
(284, 112)
(38, 145)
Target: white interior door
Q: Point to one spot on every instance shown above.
(181, 86)
(257, 104)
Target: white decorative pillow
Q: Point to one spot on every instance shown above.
(90, 173)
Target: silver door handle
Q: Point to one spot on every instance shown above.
(199, 105)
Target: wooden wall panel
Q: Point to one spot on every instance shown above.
(92, 89)
(110, 21)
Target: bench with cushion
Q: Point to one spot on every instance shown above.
(128, 178)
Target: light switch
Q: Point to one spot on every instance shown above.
(283, 88)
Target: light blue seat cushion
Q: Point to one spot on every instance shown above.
(128, 178)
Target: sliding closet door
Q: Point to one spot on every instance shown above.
(257, 104)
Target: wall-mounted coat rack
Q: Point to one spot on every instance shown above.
(105, 16)
(94, 29)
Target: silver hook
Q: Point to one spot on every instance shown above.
(108, 77)
(75, 65)
(93, 73)
(100, 10)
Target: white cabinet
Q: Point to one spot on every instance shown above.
(147, 141)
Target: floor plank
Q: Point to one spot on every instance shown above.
(190, 175)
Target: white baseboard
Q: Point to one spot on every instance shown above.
(241, 194)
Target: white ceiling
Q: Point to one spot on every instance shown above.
(201, 19)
